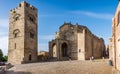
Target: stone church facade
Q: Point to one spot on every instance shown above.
(23, 34)
(114, 43)
(77, 42)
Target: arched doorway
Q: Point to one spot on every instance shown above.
(54, 50)
(64, 50)
(30, 57)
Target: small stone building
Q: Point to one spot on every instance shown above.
(77, 42)
(23, 34)
(43, 56)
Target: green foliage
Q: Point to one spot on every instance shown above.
(3, 58)
(1, 55)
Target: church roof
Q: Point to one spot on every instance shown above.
(76, 25)
(79, 27)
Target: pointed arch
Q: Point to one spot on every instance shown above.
(64, 49)
(54, 50)
(32, 33)
(16, 33)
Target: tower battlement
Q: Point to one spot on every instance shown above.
(24, 4)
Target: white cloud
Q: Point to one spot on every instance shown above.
(46, 38)
(4, 35)
(4, 23)
(105, 16)
(43, 46)
(4, 44)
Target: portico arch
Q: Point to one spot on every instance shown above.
(54, 50)
(64, 50)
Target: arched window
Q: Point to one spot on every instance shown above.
(54, 50)
(16, 33)
(32, 35)
(16, 17)
(118, 17)
(31, 18)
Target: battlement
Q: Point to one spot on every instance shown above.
(27, 5)
(24, 4)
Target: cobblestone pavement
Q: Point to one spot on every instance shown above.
(63, 67)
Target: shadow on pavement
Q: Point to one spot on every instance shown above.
(18, 72)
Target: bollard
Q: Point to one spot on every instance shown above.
(110, 63)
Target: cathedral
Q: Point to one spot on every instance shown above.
(23, 34)
(75, 42)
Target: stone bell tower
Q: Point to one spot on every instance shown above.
(23, 34)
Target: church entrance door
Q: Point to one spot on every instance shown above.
(64, 50)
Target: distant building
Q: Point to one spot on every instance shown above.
(115, 39)
(43, 56)
(23, 34)
(107, 51)
(76, 42)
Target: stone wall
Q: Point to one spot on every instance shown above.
(116, 38)
(94, 46)
(16, 45)
(88, 44)
(81, 45)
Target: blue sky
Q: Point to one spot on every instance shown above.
(95, 14)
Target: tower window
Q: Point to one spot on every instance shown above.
(118, 17)
(79, 50)
(31, 19)
(16, 33)
(16, 18)
(31, 35)
(15, 45)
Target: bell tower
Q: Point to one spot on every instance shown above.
(23, 34)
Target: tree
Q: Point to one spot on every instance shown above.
(1, 55)
(5, 58)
